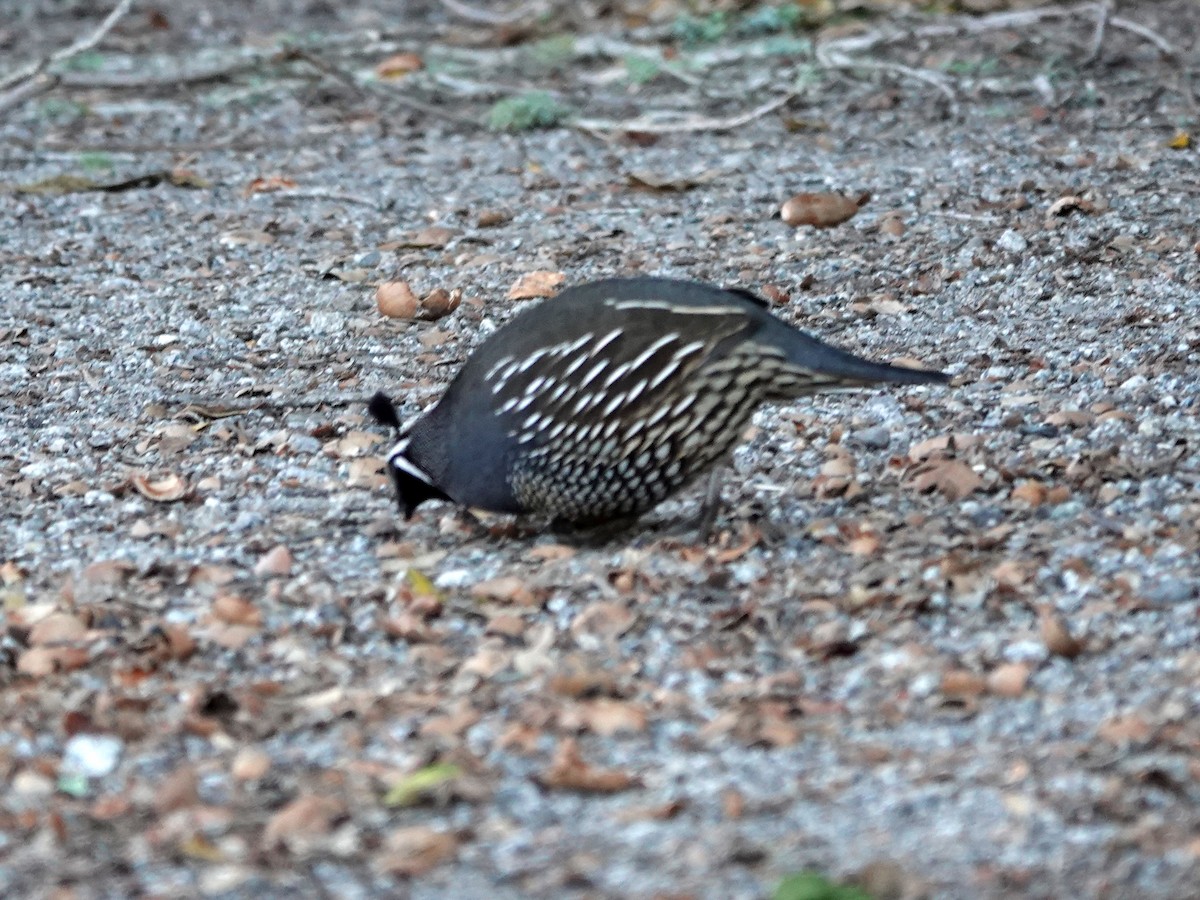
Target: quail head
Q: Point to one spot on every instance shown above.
(598, 404)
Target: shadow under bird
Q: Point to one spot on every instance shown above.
(596, 405)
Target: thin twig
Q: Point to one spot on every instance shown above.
(841, 61)
(486, 17)
(38, 84)
(704, 123)
(996, 21)
(1103, 14)
(87, 42)
(349, 80)
(1165, 47)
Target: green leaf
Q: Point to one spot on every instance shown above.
(417, 786)
(641, 69)
(814, 886)
(553, 51)
(88, 61)
(534, 110)
(692, 31)
(96, 161)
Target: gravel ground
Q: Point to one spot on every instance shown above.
(945, 642)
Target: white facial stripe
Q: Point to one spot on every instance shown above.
(404, 464)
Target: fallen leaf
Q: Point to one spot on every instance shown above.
(505, 589)
(269, 184)
(1056, 635)
(1124, 729)
(603, 620)
(569, 771)
(821, 210)
(56, 628)
(1180, 141)
(962, 683)
(440, 302)
(536, 284)
(167, 489)
(433, 237)
(178, 790)
(953, 478)
(398, 66)
(422, 785)
(276, 561)
(302, 822)
(656, 182)
(606, 717)
(1008, 679)
(413, 851)
(922, 450)
(396, 300)
(1068, 204)
(490, 218)
(40, 661)
(250, 764)
(234, 610)
(1031, 492)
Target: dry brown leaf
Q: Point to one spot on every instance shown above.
(506, 625)
(110, 807)
(276, 561)
(603, 620)
(269, 184)
(433, 237)
(922, 450)
(569, 771)
(1071, 203)
(108, 572)
(56, 628)
(962, 683)
(40, 661)
(396, 300)
(302, 822)
(505, 589)
(490, 218)
(178, 790)
(821, 210)
(606, 717)
(439, 302)
(660, 182)
(412, 851)
(953, 478)
(1125, 729)
(892, 224)
(1056, 634)
(536, 284)
(234, 610)
(1031, 492)
(398, 66)
(167, 489)
(866, 544)
(180, 643)
(250, 764)
(1008, 679)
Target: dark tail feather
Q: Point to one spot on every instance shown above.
(837, 367)
(383, 410)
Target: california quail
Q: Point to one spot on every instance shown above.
(600, 403)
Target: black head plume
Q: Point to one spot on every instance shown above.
(383, 410)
